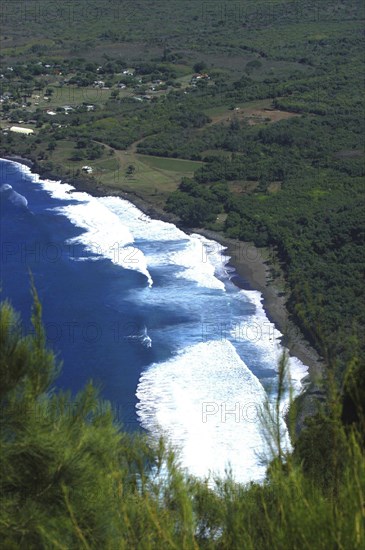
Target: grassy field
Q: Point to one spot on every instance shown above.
(154, 178)
(70, 95)
(179, 166)
(75, 96)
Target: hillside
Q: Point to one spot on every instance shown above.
(245, 118)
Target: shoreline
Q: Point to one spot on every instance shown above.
(252, 272)
(252, 268)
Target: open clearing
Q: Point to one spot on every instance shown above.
(154, 178)
(255, 112)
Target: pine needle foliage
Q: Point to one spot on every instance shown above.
(71, 478)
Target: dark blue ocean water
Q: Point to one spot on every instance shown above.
(87, 323)
(145, 311)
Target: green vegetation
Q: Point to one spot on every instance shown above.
(268, 96)
(71, 478)
(314, 219)
(264, 145)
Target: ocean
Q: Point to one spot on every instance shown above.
(149, 314)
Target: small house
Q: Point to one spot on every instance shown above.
(87, 169)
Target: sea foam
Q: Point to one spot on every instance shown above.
(104, 235)
(198, 259)
(211, 378)
(206, 402)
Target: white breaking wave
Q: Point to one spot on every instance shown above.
(23, 169)
(212, 251)
(198, 259)
(206, 402)
(62, 191)
(196, 265)
(141, 225)
(205, 399)
(270, 342)
(209, 374)
(104, 236)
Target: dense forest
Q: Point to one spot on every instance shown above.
(307, 203)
